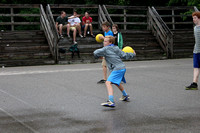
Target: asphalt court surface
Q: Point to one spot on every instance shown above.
(67, 98)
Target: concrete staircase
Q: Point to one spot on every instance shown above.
(183, 43)
(145, 45)
(142, 41)
(23, 48)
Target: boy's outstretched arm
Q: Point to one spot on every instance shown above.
(98, 53)
(126, 56)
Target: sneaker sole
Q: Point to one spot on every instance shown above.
(125, 100)
(191, 88)
(108, 106)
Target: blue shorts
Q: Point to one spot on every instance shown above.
(196, 60)
(117, 76)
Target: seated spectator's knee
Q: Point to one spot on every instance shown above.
(60, 26)
(78, 25)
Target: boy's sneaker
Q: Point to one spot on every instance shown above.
(75, 42)
(193, 86)
(68, 36)
(80, 35)
(125, 98)
(101, 81)
(109, 104)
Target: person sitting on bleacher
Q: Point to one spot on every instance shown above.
(62, 23)
(74, 22)
(87, 22)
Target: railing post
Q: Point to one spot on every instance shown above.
(173, 19)
(148, 19)
(172, 47)
(125, 19)
(12, 19)
(99, 18)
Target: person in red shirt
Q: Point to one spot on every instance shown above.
(87, 22)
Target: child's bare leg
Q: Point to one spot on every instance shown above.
(125, 96)
(110, 91)
(196, 75)
(105, 72)
(121, 88)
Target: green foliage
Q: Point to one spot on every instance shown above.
(184, 15)
(28, 19)
(30, 11)
(185, 3)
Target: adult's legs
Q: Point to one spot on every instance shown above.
(74, 34)
(91, 29)
(78, 26)
(85, 29)
(60, 28)
(68, 29)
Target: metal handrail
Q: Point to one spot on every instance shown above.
(196, 9)
(162, 32)
(47, 30)
(107, 14)
(53, 28)
(102, 17)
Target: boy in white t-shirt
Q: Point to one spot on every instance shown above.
(74, 22)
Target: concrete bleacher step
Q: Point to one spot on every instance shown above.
(144, 43)
(183, 43)
(22, 48)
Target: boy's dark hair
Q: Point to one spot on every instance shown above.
(196, 14)
(75, 11)
(62, 12)
(111, 39)
(106, 23)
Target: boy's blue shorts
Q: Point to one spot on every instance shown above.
(196, 60)
(117, 76)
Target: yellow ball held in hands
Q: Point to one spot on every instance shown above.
(97, 38)
(128, 49)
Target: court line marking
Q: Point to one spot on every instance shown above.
(22, 123)
(74, 70)
(20, 100)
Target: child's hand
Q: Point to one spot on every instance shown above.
(134, 52)
(101, 37)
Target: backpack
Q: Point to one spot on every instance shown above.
(74, 49)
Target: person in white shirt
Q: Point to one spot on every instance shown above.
(74, 22)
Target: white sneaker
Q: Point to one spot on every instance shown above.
(75, 42)
(80, 35)
(61, 36)
(125, 98)
(108, 104)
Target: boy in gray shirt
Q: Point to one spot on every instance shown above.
(115, 65)
(196, 52)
